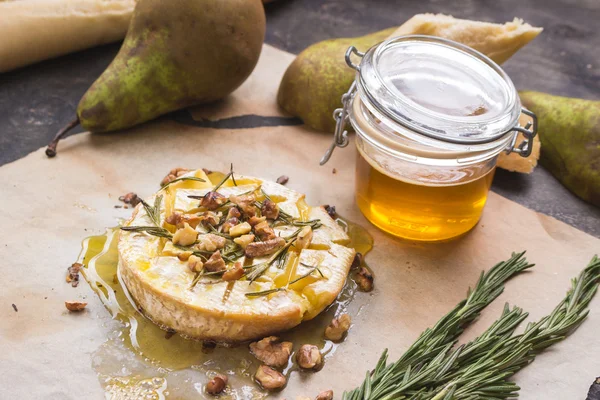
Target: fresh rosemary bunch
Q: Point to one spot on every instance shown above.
(434, 369)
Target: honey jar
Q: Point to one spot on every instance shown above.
(431, 117)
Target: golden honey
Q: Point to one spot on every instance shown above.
(418, 212)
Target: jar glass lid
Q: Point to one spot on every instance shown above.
(439, 88)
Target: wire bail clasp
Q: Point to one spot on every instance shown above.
(524, 148)
(340, 115)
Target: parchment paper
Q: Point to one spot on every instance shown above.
(49, 206)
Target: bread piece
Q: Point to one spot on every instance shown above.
(498, 42)
(35, 30)
(514, 162)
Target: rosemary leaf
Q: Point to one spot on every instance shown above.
(151, 230)
(264, 292)
(184, 178)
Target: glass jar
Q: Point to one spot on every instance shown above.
(431, 117)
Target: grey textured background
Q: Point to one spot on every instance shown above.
(36, 101)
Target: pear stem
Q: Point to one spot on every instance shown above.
(51, 149)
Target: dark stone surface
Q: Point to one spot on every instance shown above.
(36, 101)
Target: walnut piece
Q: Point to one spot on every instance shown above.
(269, 209)
(256, 220)
(234, 213)
(185, 236)
(271, 351)
(75, 305)
(234, 273)
(364, 280)
(338, 327)
(264, 231)
(357, 262)
(195, 263)
(283, 179)
(215, 263)
(210, 242)
(210, 218)
(325, 395)
(269, 379)
(240, 229)
(244, 240)
(179, 219)
(212, 200)
(246, 203)
(309, 356)
(73, 274)
(184, 255)
(217, 384)
(304, 238)
(258, 249)
(174, 174)
(130, 198)
(330, 210)
(230, 223)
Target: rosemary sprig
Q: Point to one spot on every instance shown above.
(306, 275)
(202, 274)
(259, 269)
(481, 368)
(153, 212)
(183, 178)
(439, 339)
(265, 292)
(151, 230)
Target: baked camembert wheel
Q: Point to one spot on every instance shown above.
(233, 260)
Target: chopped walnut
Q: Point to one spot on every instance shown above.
(195, 263)
(179, 219)
(215, 263)
(210, 218)
(282, 180)
(244, 240)
(304, 238)
(330, 210)
(73, 274)
(234, 213)
(217, 384)
(240, 229)
(309, 356)
(184, 255)
(357, 262)
(338, 327)
(75, 305)
(207, 171)
(269, 379)
(272, 352)
(325, 395)
(256, 220)
(185, 236)
(174, 174)
(245, 202)
(130, 198)
(234, 273)
(264, 231)
(269, 209)
(230, 223)
(258, 249)
(212, 200)
(210, 242)
(364, 280)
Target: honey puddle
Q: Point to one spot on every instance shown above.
(139, 360)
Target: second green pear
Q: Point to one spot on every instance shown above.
(176, 53)
(315, 81)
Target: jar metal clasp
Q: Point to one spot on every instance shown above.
(341, 117)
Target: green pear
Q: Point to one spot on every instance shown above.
(315, 81)
(176, 53)
(569, 130)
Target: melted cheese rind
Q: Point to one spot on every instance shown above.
(219, 310)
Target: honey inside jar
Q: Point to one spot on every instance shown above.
(416, 211)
